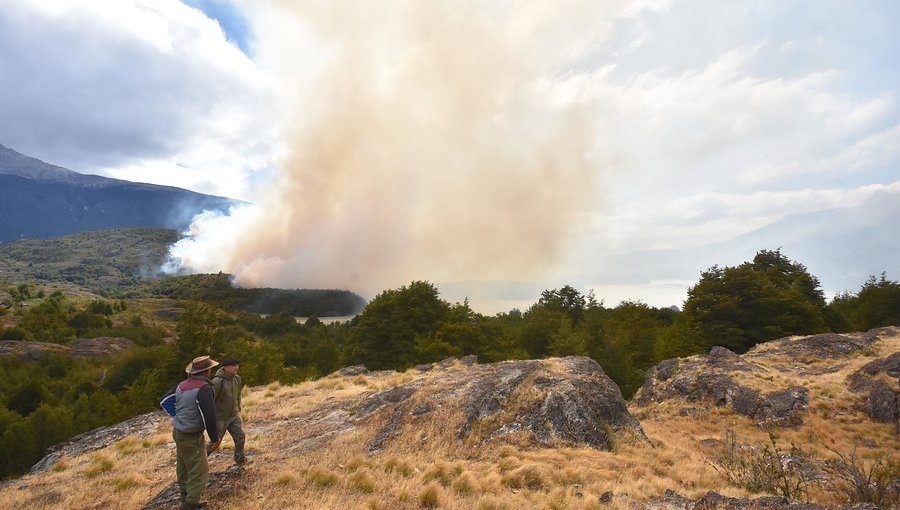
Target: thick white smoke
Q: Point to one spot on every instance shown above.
(426, 141)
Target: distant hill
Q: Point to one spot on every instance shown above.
(102, 261)
(39, 201)
(125, 263)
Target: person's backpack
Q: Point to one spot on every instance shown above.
(168, 401)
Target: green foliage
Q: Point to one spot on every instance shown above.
(195, 329)
(539, 325)
(877, 304)
(23, 291)
(48, 321)
(739, 307)
(217, 290)
(386, 334)
(566, 300)
(27, 397)
(128, 367)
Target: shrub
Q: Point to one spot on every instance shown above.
(874, 483)
(763, 468)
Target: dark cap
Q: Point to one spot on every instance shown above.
(231, 361)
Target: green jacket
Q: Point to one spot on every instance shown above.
(228, 394)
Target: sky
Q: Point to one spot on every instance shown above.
(496, 148)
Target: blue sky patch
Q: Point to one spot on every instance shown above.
(233, 23)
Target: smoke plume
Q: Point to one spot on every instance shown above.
(426, 141)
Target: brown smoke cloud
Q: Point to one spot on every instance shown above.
(427, 144)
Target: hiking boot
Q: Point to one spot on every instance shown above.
(193, 506)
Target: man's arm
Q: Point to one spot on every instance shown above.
(207, 405)
(240, 386)
(217, 385)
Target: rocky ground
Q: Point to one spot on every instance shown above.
(550, 433)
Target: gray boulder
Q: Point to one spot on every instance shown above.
(881, 405)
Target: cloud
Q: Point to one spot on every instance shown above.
(143, 90)
(462, 140)
(430, 150)
(229, 18)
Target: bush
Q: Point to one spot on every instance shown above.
(866, 484)
(763, 468)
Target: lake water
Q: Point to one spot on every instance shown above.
(325, 320)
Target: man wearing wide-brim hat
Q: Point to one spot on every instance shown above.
(195, 411)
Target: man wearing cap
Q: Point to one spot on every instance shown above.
(195, 411)
(227, 387)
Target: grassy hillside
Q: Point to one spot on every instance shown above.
(124, 263)
(102, 261)
(307, 453)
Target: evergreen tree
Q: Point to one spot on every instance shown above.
(385, 336)
(768, 298)
(877, 304)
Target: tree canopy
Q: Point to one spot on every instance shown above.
(739, 307)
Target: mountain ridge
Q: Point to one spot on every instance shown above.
(39, 200)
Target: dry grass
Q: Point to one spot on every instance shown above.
(426, 466)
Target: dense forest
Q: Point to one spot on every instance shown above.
(50, 397)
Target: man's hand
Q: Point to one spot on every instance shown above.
(215, 446)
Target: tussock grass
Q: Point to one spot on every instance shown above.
(128, 482)
(465, 483)
(432, 496)
(286, 478)
(356, 462)
(99, 464)
(322, 477)
(361, 480)
(400, 466)
(509, 463)
(442, 472)
(530, 476)
(493, 503)
(131, 445)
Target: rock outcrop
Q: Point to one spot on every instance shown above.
(879, 381)
(79, 348)
(562, 401)
(709, 380)
(139, 426)
(567, 400)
